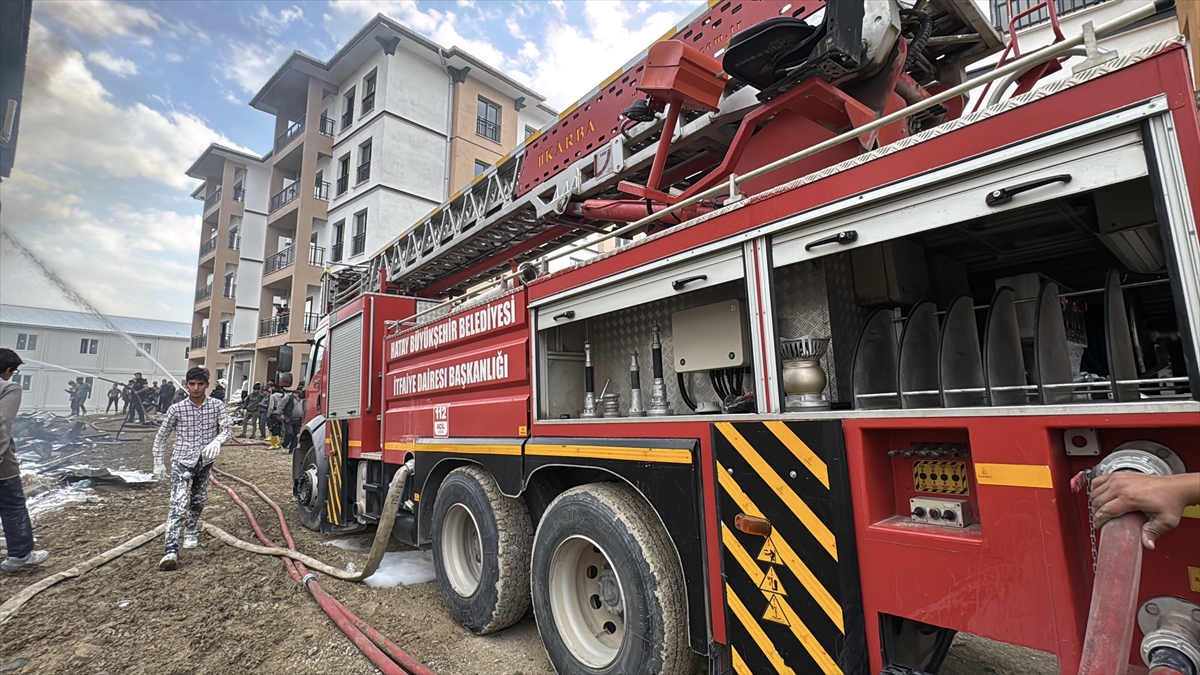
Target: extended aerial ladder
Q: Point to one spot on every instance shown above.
(580, 173)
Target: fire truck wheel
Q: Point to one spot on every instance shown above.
(481, 542)
(607, 587)
(309, 484)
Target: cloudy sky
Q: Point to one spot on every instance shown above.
(121, 97)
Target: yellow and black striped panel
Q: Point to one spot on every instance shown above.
(335, 503)
(793, 599)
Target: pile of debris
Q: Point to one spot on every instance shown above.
(46, 442)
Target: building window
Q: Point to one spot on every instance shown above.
(343, 181)
(27, 342)
(143, 349)
(364, 162)
(488, 122)
(1000, 11)
(480, 167)
(359, 243)
(529, 131)
(348, 109)
(368, 99)
(26, 382)
(88, 346)
(339, 234)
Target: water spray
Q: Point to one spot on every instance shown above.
(78, 299)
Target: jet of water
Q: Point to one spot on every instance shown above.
(78, 299)
(70, 370)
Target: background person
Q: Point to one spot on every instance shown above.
(114, 399)
(201, 424)
(14, 515)
(250, 414)
(82, 391)
(166, 395)
(71, 390)
(137, 389)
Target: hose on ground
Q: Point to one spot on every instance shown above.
(13, 604)
(329, 603)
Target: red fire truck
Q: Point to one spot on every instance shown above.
(821, 406)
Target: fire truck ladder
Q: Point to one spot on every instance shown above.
(485, 228)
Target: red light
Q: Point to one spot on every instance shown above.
(1079, 441)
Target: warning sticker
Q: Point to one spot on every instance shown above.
(771, 584)
(1194, 578)
(768, 553)
(940, 478)
(775, 611)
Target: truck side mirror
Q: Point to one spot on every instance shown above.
(284, 380)
(283, 359)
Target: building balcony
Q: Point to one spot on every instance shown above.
(230, 290)
(278, 261)
(321, 190)
(275, 325)
(335, 252)
(224, 339)
(347, 119)
(292, 133)
(203, 294)
(211, 200)
(316, 256)
(200, 341)
(368, 103)
(285, 196)
(239, 195)
(235, 241)
(358, 244)
(328, 126)
(487, 129)
(342, 183)
(310, 322)
(364, 172)
(208, 247)
(1001, 19)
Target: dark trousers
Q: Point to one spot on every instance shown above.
(291, 434)
(135, 406)
(189, 494)
(114, 404)
(18, 529)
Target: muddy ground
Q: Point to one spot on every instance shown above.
(227, 612)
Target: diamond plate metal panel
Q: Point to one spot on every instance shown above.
(802, 308)
(616, 335)
(846, 320)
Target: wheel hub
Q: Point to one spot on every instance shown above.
(306, 487)
(587, 601)
(462, 550)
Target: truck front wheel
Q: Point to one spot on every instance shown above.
(310, 483)
(607, 587)
(481, 551)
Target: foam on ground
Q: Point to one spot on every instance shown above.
(403, 567)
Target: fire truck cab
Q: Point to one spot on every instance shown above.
(818, 424)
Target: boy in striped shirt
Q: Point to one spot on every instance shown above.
(201, 424)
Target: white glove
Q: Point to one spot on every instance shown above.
(160, 471)
(210, 452)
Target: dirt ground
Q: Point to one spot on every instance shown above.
(228, 612)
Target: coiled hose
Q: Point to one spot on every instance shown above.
(385, 654)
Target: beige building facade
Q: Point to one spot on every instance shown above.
(365, 144)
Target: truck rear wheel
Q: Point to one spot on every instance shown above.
(481, 541)
(607, 587)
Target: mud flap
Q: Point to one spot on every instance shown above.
(793, 601)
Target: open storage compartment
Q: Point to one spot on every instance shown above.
(699, 309)
(1049, 280)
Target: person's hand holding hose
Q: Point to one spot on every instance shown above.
(1161, 498)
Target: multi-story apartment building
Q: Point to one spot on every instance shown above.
(225, 316)
(365, 144)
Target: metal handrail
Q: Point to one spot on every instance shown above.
(316, 256)
(290, 134)
(280, 260)
(200, 341)
(487, 129)
(203, 293)
(321, 190)
(364, 172)
(208, 247)
(347, 119)
(368, 103)
(285, 196)
(235, 241)
(731, 187)
(239, 194)
(311, 320)
(358, 243)
(230, 289)
(212, 199)
(335, 252)
(327, 127)
(342, 185)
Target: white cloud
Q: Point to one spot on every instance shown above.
(113, 64)
(442, 27)
(173, 58)
(102, 18)
(275, 24)
(96, 191)
(250, 65)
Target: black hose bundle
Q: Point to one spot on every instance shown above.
(920, 38)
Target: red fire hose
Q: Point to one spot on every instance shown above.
(385, 654)
(1114, 597)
